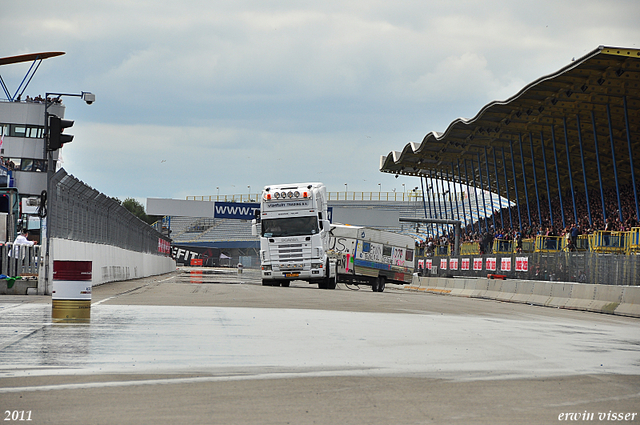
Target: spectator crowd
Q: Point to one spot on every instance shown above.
(486, 230)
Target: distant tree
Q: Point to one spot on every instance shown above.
(137, 209)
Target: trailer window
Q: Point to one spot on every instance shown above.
(386, 251)
(409, 255)
(295, 226)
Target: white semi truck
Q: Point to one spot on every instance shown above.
(297, 242)
(294, 235)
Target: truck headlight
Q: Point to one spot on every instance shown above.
(268, 267)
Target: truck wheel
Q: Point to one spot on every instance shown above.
(322, 284)
(331, 282)
(285, 283)
(266, 282)
(374, 285)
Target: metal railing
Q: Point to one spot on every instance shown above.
(581, 267)
(331, 196)
(608, 242)
(548, 243)
(633, 245)
(19, 260)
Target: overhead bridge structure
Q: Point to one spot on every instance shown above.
(571, 136)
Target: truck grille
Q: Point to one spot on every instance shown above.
(291, 252)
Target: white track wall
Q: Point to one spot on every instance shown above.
(109, 263)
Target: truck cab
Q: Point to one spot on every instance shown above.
(294, 235)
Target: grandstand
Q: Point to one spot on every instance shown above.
(564, 151)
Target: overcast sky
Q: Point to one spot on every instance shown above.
(197, 95)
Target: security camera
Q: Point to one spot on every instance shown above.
(89, 97)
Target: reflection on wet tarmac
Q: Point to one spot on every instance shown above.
(123, 338)
(217, 276)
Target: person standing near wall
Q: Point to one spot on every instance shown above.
(18, 250)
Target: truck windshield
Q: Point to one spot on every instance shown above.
(295, 226)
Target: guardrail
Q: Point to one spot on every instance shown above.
(21, 261)
(548, 243)
(608, 242)
(634, 241)
(331, 196)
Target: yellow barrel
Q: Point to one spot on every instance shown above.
(71, 311)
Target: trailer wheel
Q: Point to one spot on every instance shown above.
(378, 284)
(381, 284)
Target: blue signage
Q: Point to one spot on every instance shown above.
(244, 210)
(237, 210)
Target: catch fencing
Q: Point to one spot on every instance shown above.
(580, 267)
(80, 213)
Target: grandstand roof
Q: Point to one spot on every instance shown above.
(600, 91)
(28, 57)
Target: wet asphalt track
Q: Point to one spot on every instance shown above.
(217, 347)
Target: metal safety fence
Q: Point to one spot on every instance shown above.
(80, 213)
(19, 260)
(581, 267)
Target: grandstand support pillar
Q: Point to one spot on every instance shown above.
(584, 170)
(434, 191)
(495, 170)
(444, 192)
(453, 177)
(524, 179)
(633, 174)
(456, 224)
(475, 192)
(439, 193)
(432, 208)
(595, 141)
(515, 184)
(464, 210)
(535, 178)
(424, 203)
(573, 195)
(484, 201)
(506, 186)
(546, 177)
(493, 210)
(555, 158)
(615, 167)
(466, 176)
(450, 202)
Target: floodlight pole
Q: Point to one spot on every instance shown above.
(89, 98)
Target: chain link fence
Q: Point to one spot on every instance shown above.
(580, 267)
(80, 213)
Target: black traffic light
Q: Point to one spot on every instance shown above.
(56, 136)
